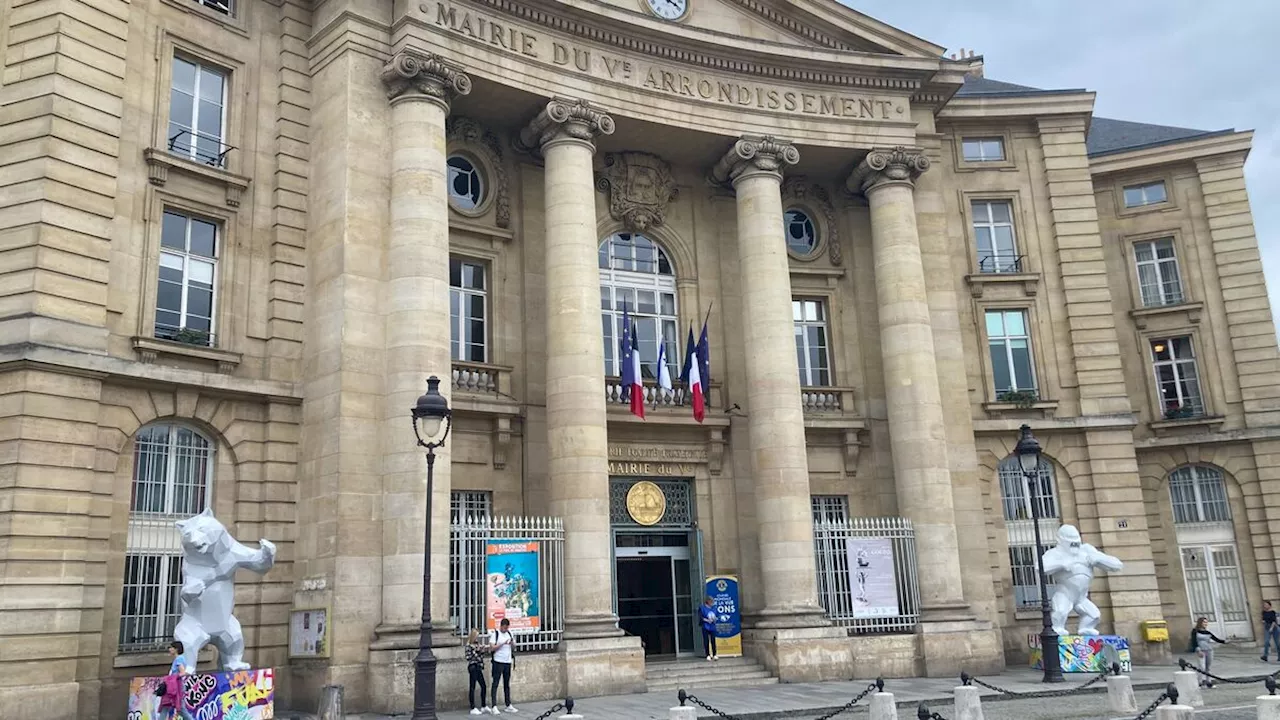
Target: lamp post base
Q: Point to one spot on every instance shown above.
(424, 685)
(1052, 660)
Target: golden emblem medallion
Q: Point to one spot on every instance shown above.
(646, 504)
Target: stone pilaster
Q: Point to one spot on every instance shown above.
(917, 431)
(788, 632)
(598, 657)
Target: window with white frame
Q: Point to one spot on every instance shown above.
(829, 508)
(994, 238)
(636, 277)
(1177, 379)
(1016, 497)
(172, 479)
(1145, 194)
(226, 7)
(812, 342)
(185, 289)
(1199, 495)
(468, 310)
(198, 112)
(470, 504)
(1009, 342)
(1158, 278)
(986, 149)
(466, 183)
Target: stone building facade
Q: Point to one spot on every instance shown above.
(238, 235)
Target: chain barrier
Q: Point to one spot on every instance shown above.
(1182, 663)
(924, 713)
(877, 686)
(1170, 693)
(683, 696)
(967, 679)
(567, 706)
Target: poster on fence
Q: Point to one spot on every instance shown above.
(241, 695)
(511, 584)
(723, 591)
(871, 578)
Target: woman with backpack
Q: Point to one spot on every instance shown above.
(502, 644)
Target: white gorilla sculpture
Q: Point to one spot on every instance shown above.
(1071, 565)
(210, 558)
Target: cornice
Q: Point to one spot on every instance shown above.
(789, 23)
(872, 31)
(1180, 151)
(1067, 102)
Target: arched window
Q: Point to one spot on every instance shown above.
(1020, 526)
(636, 275)
(1199, 495)
(172, 479)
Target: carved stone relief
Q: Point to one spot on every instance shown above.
(815, 198)
(640, 187)
(467, 134)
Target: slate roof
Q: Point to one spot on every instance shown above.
(1106, 135)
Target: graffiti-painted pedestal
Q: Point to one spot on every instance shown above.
(243, 695)
(1084, 653)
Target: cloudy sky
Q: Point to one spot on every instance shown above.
(1187, 63)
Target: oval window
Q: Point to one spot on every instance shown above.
(466, 184)
(802, 234)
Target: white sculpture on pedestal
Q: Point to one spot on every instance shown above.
(1071, 566)
(210, 558)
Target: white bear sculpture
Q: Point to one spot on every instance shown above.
(210, 558)
(1071, 565)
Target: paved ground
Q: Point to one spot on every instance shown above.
(810, 700)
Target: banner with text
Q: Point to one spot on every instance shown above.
(723, 591)
(512, 584)
(871, 578)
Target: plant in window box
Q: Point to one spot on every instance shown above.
(191, 336)
(1023, 399)
(1179, 412)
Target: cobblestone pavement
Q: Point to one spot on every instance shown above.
(804, 701)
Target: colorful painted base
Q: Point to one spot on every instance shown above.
(243, 695)
(1084, 653)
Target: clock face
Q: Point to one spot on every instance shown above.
(668, 9)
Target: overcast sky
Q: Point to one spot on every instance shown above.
(1187, 63)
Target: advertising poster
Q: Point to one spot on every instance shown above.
(511, 585)
(1085, 654)
(308, 633)
(242, 695)
(723, 591)
(871, 580)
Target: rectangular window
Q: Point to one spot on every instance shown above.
(811, 342)
(1158, 277)
(223, 6)
(988, 149)
(830, 508)
(468, 311)
(1145, 194)
(1177, 379)
(185, 294)
(150, 605)
(993, 235)
(470, 504)
(1009, 340)
(1023, 568)
(198, 113)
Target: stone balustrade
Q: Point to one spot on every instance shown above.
(826, 399)
(481, 378)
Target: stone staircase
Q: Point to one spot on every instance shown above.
(692, 674)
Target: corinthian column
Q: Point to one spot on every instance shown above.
(775, 416)
(415, 311)
(577, 428)
(917, 432)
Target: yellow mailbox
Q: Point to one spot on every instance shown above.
(1155, 631)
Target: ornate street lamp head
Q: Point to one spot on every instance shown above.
(1028, 451)
(431, 411)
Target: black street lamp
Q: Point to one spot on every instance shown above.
(1029, 460)
(431, 412)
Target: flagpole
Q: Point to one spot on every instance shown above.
(707, 319)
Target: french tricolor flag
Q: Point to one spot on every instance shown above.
(692, 377)
(631, 378)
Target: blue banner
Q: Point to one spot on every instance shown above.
(723, 591)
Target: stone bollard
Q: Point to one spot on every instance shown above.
(683, 712)
(331, 703)
(968, 704)
(1175, 712)
(569, 714)
(1120, 697)
(1269, 707)
(883, 707)
(1188, 684)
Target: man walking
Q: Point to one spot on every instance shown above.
(1270, 631)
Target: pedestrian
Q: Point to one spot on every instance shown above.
(1270, 630)
(502, 645)
(708, 617)
(170, 690)
(1201, 641)
(475, 651)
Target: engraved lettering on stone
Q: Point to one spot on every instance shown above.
(754, 153)
(881, 167)
(417, 73)
(640, 187)
(563, 118)
(472, 135)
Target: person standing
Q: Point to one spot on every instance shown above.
(502, 644)
(172, 697)
(475, 670)
(1270, 631)
(708, 617)
(1202, 640)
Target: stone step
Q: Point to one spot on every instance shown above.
(700, 669)
(695, 683)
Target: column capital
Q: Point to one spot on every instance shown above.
(564, 119)
(417, 75)
(884, 166)
(752, 154)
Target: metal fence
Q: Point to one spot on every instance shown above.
(836, 586)
(468, 537)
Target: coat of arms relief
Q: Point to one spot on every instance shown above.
(640, 188)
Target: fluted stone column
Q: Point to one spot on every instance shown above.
(577, 429)
(415, 312)
(775, 416)
(917, 431)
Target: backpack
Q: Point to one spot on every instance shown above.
(493, 640)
